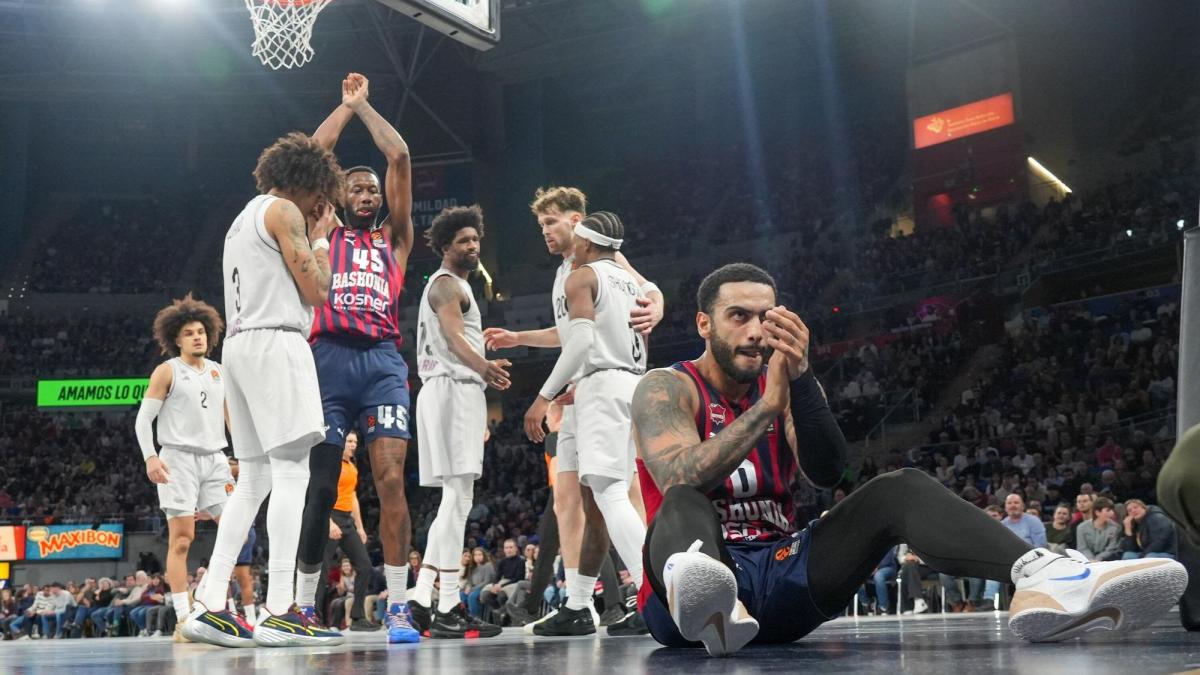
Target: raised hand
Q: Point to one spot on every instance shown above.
(496, 376)
(322, 220)
(499, 338)
(355, 89)
(645, 316)
(787, 333)
(775, 394)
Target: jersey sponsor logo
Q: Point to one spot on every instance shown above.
(348, 300)
(717, 413)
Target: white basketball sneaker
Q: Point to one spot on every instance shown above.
(702, 599)
(1060, 597)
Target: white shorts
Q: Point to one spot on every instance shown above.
(271, 391)
(196, 481)
(451, 418)
(604, 424)
(567, 450)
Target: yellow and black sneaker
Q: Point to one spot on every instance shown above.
(294, 629)
(223, 629)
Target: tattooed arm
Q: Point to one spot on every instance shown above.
(664, 413)
(309, 267)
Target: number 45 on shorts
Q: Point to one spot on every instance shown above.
(388, 417)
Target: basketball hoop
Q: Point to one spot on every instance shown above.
(283, 29)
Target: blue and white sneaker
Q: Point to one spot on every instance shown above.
(399, 623)
(1063, 597)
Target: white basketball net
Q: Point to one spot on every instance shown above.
(282, 30)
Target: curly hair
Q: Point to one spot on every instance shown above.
(172, 318)
(447, 224)
(297, 163)
(562, 198)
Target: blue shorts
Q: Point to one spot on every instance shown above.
(363, 384)
(772, 580)
(246, 555)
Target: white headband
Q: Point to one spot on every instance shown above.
(597, 238)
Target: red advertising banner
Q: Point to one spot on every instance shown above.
(972, 118)
(12, 542)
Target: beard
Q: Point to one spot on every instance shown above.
(724, 354)
(357, 222)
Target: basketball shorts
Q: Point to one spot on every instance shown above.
(604, 423)
(271, 391)
(772, 580)
(197, 481)
(566, 449)
(246, 555)
(451, 418)
(363, 384)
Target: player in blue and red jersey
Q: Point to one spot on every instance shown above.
(363, 378)
(720, 441)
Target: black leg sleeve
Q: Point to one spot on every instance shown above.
(685, 516)
(543, 568)
(352, 545)
(611, 583)
(324, 466)
(950, 534)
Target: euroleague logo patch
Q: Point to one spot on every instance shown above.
(784, 552)
(370, 423)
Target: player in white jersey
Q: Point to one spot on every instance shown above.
(276, 266)
(558, 211)
(451, 415)
(187, 396)
(606, 357)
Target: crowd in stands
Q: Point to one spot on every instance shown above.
(106, 247)
(85, 346)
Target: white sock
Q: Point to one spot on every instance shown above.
(306, 588)
(625, 526)
(251, 615)
(446, 538)
(182, 608)
(397, 582)
(570, 573)
(253, 486)
(448, 597)
(579, 594)
(422, 594)
(289, 476)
